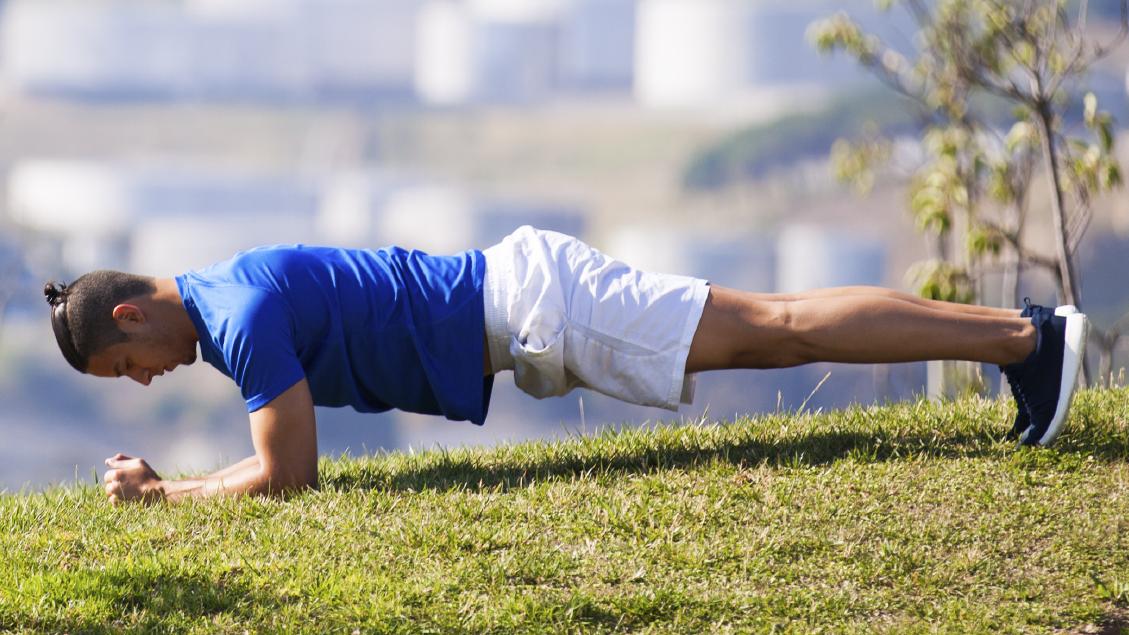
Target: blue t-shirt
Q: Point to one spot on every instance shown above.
(374, 330)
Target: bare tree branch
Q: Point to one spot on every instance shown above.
(1102, 50)
(1121, 327)
(920, 13)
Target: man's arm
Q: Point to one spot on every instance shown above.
(284, 433)
(232, 469)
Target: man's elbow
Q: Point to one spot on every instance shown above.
(284, 484)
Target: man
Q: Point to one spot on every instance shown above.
(301, 326)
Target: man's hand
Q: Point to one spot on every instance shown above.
(130, 479)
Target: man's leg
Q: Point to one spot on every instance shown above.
(851, 325)
(970, 309)
(1042, 355)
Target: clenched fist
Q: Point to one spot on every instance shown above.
(130, 479)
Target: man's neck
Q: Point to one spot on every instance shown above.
(167, 296)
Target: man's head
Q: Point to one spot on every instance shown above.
(113, 324)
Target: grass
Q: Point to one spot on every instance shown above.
(913, 517)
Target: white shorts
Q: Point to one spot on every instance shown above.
(562, 315)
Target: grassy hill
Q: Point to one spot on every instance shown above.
(909, 518)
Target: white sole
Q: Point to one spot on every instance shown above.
(1073, 356)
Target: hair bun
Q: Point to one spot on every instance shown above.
(55, 293)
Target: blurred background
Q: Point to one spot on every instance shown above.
(159, 136)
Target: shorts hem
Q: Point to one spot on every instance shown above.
(682, 384)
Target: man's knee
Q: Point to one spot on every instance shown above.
(788, 346)
(742, 331)
(768, 340)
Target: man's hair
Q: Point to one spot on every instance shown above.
(82, 313)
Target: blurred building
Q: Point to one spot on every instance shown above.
(373, 209)
(488, 51)
(668, 53)
(820, 256)
(689, 53)
(445, 41)
(206, 49)
(597, 45)
(522, 51)
(738, 260)
(170, 245)
(778, 52)
(13, 272)
(162, 220)
(710, 52)
(450, 52)
(158, 220)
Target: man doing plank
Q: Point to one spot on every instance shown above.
(299, 326)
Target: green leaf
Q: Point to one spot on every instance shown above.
(940, 280)
(999, 182)
(838, 32)
(960, 196)
(1112, 176)
(1024, 53)
(982, 240)
(1105, 135)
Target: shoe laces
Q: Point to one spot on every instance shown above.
(1017, 391)
(1021, 397)
(1012, 382)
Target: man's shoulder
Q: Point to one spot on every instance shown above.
(275, 256)
(254, 267)
(232, 300)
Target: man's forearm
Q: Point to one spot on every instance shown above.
(284, 434)
(232, 469)
(245, 477)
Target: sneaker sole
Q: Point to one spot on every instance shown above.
(1074, 354)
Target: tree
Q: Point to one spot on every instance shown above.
(973, 191)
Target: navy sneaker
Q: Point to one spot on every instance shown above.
(1022, 419)
(1045, 381)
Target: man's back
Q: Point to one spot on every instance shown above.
(371, 329)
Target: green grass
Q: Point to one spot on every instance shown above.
(908, 518)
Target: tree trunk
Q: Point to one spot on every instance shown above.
(1009, 286)
(1012, 271)
(1107, 343)
(1066, 278)
(1106, 367)
(1058, 210)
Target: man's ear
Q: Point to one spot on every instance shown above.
(128, 317)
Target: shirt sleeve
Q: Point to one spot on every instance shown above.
(259, 349)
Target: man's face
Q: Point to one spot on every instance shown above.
(141, 358)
